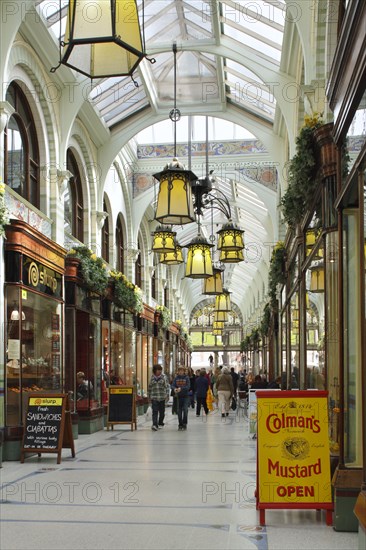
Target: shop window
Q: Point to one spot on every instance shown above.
(315, 320)
(120, 258)
(73, 200)
(352, 338)
(21, 151)
(33, 348)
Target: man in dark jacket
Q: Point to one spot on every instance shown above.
(202, 385)
(181, 387)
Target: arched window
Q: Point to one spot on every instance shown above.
(105, 235)
(73, 200)
(21, 151)
(120, 258)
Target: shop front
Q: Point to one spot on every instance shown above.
(83, 351)
(34, 306)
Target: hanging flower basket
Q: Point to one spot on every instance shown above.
(165, 318)
(92, 269)
(126, 295)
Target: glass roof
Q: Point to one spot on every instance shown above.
(203, 79)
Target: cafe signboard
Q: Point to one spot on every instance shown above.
(293, 460)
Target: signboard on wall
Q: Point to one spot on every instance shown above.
(293, 464)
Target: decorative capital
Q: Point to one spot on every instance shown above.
(101, 217)
(6, 110)
(63, 177)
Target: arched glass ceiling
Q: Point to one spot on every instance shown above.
(205, 79)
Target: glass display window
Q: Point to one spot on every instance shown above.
(33, 348)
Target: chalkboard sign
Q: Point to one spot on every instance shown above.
(47, 426)
(121, 406)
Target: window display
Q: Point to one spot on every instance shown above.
(33, 348)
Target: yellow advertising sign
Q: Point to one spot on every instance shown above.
(293, 448)
(45, 401)
(120, 390)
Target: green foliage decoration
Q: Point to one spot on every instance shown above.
(93, 268)
(302, 174)
(165, 318)
(276, 273)
(126, 295)
(266, 319)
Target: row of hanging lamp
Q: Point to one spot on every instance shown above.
(218, 325)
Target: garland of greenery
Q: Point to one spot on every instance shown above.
(266, 320)
(126, 295)
(165, 318)
(276, 273)
(93, 268)
(4, 214)
(302, 174)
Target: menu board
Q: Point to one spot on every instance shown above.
(121, 406)
(293, 466)
(47, 427)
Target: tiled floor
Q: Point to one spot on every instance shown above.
(153, 490)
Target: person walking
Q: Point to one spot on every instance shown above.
(202, 386)
(181, 386)
(157, 393)
(225, 390)
(235, 377)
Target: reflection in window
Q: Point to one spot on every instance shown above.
(21, 153)
(73, 200)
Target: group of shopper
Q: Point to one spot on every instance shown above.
(159, 389)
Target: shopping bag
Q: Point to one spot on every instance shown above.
(233, 404)
(209, 400)
(148, 414)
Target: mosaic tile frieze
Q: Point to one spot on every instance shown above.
(216, 148)
(21, 211)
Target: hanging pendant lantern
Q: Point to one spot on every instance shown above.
(230, 238)
(199, 262)
(102, 38)
(231, 256)
(164, 240)
(317, 278)
(175, 199)
(221, 316)
(217, 332)
(223, 302)
(213, 285)
(172, 258)
(218, 325)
